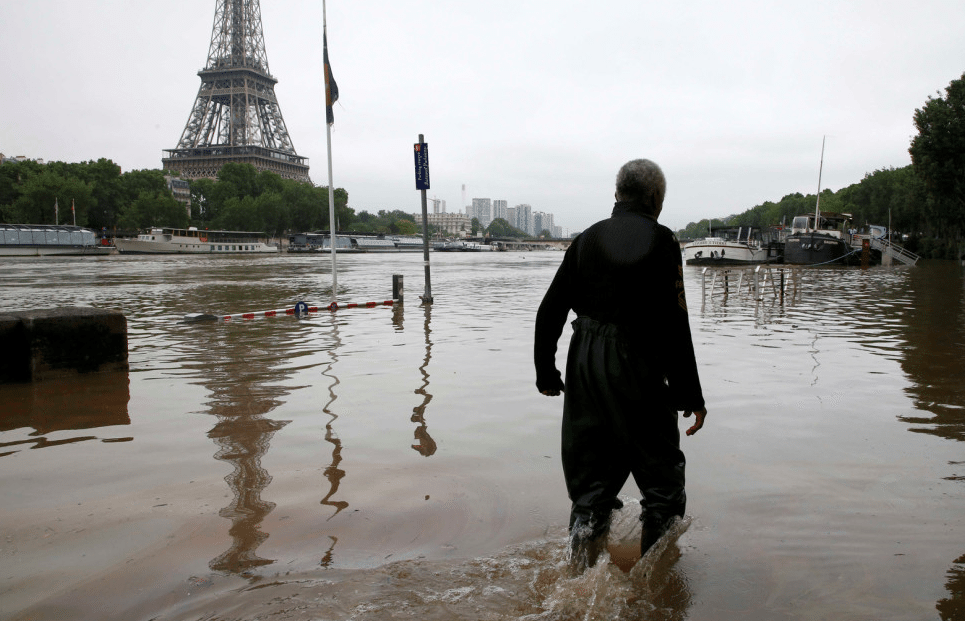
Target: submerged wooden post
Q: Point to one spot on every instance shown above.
(397, 287)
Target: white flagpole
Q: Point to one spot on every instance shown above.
(56, 212)
(331, 188)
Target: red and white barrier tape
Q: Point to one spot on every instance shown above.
(334, 306)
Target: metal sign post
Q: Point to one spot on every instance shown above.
(421, 150)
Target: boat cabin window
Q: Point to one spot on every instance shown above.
(800, 222)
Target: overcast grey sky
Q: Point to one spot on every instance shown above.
(533, 102)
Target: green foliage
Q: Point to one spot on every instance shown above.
(39, 193)
(153, 209)
(696, 230)
(938, 157)
(500, 227)
(895, 191)
(395, 222)
(407, 227)
(277, 205)
(240, 199)
(925, 200)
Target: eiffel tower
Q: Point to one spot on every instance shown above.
(236, 117)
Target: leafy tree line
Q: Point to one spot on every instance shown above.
(102, 197)
(241, 198)
(500, 227)
(925, 200)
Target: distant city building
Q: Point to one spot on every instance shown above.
(181, 191)
(452, 224)
(499, 209)
(438, 205)
(542, 222)
(524, 218)
(19, 158)
(482, 210)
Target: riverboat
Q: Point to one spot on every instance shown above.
(820, 239)
(34, 240)
(739, 245)
(319, 242)
(463, 246)
(193, 241)
(389, 244)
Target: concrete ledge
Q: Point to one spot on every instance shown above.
(49, 343)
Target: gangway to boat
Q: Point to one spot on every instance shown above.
(896, 252)
(759, 283)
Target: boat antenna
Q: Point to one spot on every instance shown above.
(817, 203)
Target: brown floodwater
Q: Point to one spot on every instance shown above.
(398, 463)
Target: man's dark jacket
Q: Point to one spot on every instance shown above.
(624, 271)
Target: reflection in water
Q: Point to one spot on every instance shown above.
(71, 403)
(333, 473)
(935, 352)
(240, 376)
(953, 608)
(915, 316)
(244, 437)
(328, 558)
(424, 443)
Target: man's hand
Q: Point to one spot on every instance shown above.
(701, 414)
(551, 393)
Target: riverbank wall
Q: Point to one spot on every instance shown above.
(49, 343)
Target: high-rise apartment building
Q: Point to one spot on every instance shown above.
(524, 218)
(499, 209)
(438, 205)
(482, 210)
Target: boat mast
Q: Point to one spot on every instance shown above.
(817, 203)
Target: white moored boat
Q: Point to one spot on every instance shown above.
(33, 240)
(731, 246)
(193, 241)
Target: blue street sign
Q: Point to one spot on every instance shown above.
(421, 165)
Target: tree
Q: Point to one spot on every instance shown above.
(271, 212)
(153, 209)
(501, 228)
(407, 227)
(135, 182)
(938, 157)
(201, 189)
(242, 177)
(105, 179)
(239, 214)
(40, 192)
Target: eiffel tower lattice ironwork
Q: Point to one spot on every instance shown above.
(236, 117)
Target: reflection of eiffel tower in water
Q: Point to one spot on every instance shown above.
(236, 117)
(246, 384)
(243, 439)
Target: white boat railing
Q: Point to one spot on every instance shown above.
(760, 283)
(894, 251)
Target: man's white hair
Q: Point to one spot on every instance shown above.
(642, 182)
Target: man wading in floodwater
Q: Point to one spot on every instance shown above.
(630, 367)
